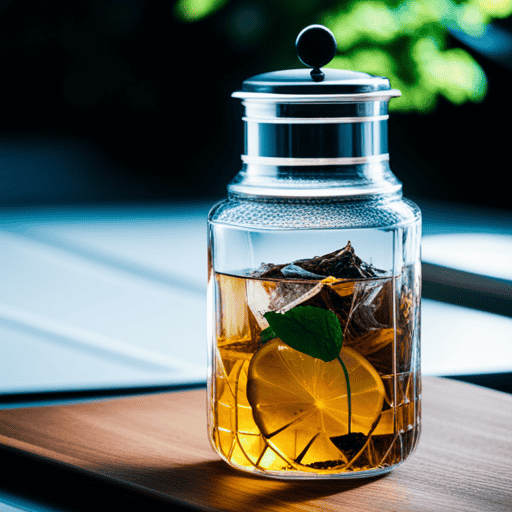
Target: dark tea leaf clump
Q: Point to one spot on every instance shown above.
(353, 441)
(341, 264)
(349, 444)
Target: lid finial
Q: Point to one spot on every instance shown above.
(316, 47)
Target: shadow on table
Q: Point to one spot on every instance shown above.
(215, 484)
(34, 482)
(31, 483)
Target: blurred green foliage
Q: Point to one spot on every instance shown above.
(404, 40)
(195, 10)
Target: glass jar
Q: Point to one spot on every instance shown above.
(314, 282)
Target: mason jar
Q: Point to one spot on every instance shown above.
(314, 282)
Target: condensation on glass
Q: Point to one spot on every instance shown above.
(315, 229)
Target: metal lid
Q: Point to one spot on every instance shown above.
(299, 81)
(315, 132)
(316, 47)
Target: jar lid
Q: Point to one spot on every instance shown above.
(316, 47)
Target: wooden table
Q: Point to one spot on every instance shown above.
(158, 445)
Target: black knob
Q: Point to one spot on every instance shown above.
(316, 46)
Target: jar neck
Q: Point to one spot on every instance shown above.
(344, 181)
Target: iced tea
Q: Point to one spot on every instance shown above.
(280, 407)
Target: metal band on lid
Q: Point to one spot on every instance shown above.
(315, 120)
(303, 162)
(379, 95)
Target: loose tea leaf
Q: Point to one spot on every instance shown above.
(310, 330)
(341, 264)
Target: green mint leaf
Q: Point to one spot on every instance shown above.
(308, 329)
(267, 335)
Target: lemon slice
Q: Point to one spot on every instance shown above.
(236, 435)
(299, 402)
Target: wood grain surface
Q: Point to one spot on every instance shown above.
(158, 444)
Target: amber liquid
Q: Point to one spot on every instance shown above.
(279, 411)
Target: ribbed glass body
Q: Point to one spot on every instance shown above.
(314, 310)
